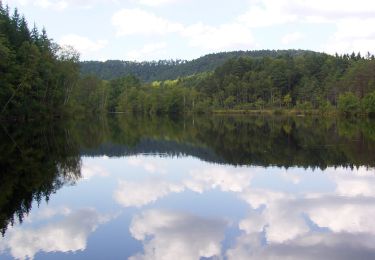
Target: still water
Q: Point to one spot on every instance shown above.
(193, 188)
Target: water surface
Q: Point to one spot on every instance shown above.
(194, 188)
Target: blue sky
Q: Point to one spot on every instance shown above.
(187, 29)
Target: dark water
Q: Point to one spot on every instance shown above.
(193, 188)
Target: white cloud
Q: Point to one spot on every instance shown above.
(48, 213)
(219, 38)
(254, 223)
(353, 35)
(137, 21)
(292, 176)
(138, 194)
(279, 221)
(276, 12)
(212, 38)
(341, 214)
(68, 234)
(354, 22)
(90, 171)
(331, 10)
(46, 4)
(266, 13)
(348, 209)
(353, 19)
(151, 165)
(284, 220)
(60, 5)
(349, 185)
(82, 44)
(155, 2)
(291, 38)
(226, 179)
(349, 23)
(283, 223)
(359, 183)
(310, 246)
(149, 52)
(141, 193)
(172, 235)
(246, 247)
(259, 197)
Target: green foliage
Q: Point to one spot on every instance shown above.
(287, 81)
(259, 104)
(369, 103)
(325, 107)
(37, 77)
(37, 158)
(287, 100)
(90, 95)
(119, 90)
(169, 97)
(306, 105)
(239, 140)
(349, 103)
(230, 102)
(173, 69)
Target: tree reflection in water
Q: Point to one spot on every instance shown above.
(37, 159)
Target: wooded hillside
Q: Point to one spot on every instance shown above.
(172, 69)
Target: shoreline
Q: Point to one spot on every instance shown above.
(275, 112)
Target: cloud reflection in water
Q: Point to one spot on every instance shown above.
(336, 224)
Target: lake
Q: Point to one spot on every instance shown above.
(203, 187)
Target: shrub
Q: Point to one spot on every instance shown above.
(369, 103)
(304, 105)
(349, 103)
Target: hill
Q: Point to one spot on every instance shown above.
(172, 69)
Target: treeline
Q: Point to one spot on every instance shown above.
(149, 71)
(309, 81)
(36, 75)
(316, 142)
(38, 78)
(306, 82)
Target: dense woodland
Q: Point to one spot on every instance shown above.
(305, 81)
(149, 71)
(38, 78)
(36, 75)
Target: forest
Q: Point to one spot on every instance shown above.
(36, 75)
(40, 79)
(148, 71)
(301, 81)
